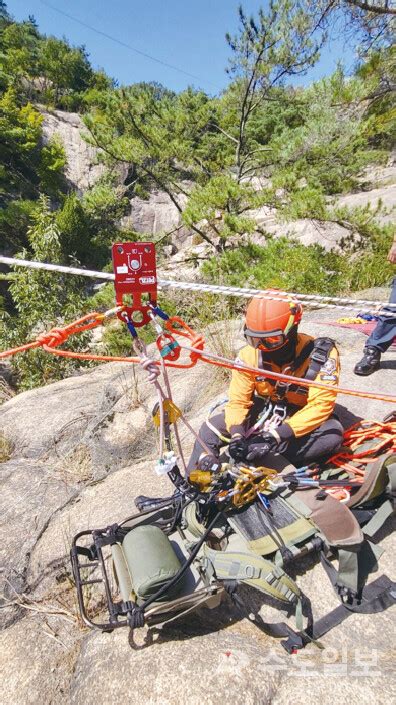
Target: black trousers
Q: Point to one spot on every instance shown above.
(323, 441)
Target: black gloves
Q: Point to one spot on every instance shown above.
(261, 446)
(238, 448)
(209, 463)
(254, 449)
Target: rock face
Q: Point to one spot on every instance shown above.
(158, 214)
(385, 194)
(83, 448)
(307, 231)
(82, 169)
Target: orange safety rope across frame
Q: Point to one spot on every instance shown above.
(57, 336)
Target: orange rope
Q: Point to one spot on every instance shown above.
(358, 434)
(223, 362)
(57, 336)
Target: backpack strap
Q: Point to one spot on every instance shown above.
(304, 354)
(257, 572)
(380, 472)
(322, 348)
(376, 597)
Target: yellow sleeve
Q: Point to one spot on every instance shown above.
(240, 397)
(320, 403)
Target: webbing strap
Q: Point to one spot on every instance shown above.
(376, 597)
(348, 570)
(305, 352)
(391, 468)
(354, 569)
(277, 630)
(379, 519)
(255, 571)
(320, 355)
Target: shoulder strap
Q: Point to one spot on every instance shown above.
(322, 348)
(304, 354)
(255, 571)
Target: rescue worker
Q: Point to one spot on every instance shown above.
(384, 332)
(300, 423)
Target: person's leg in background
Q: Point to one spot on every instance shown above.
(379, 341)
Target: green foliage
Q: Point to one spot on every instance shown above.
(67, 71)
(20, 55)
(367, 263)
(47, 69)
(52, 162)
(260, 142)
(283, 264)
(364, 24)
(89, 225)
(26, 166)
(74, 229)
(379, 72)
(280, 42)
(331, 146)
(221, 203)
(165, 138)
(42, 300)
(104, 205)
(305, 202)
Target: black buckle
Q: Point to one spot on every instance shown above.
(319, 355)
(281, 389)
(108, 537)
(123, 608)
(293, 643)
(300, 390)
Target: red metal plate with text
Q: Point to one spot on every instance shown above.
(135, 274)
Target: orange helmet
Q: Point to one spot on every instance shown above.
(269, 322)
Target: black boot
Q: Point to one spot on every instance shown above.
(369, 363)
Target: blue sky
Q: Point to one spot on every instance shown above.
(189, 34)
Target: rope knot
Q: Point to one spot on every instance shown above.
(53, 338)
(198, 341)
(149, 366)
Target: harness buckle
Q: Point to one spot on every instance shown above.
(279, 411)
(319, 355)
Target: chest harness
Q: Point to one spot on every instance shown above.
(275, 410)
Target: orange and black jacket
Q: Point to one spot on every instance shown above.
(311, 406)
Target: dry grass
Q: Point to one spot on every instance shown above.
(132, 388)
(42, 607)
(6, 391)
(224, 338)
(76, 465)
(5, 448)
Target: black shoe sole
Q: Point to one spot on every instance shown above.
(366, 374)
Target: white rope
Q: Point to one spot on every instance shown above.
(313, 300)
(57, 268)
